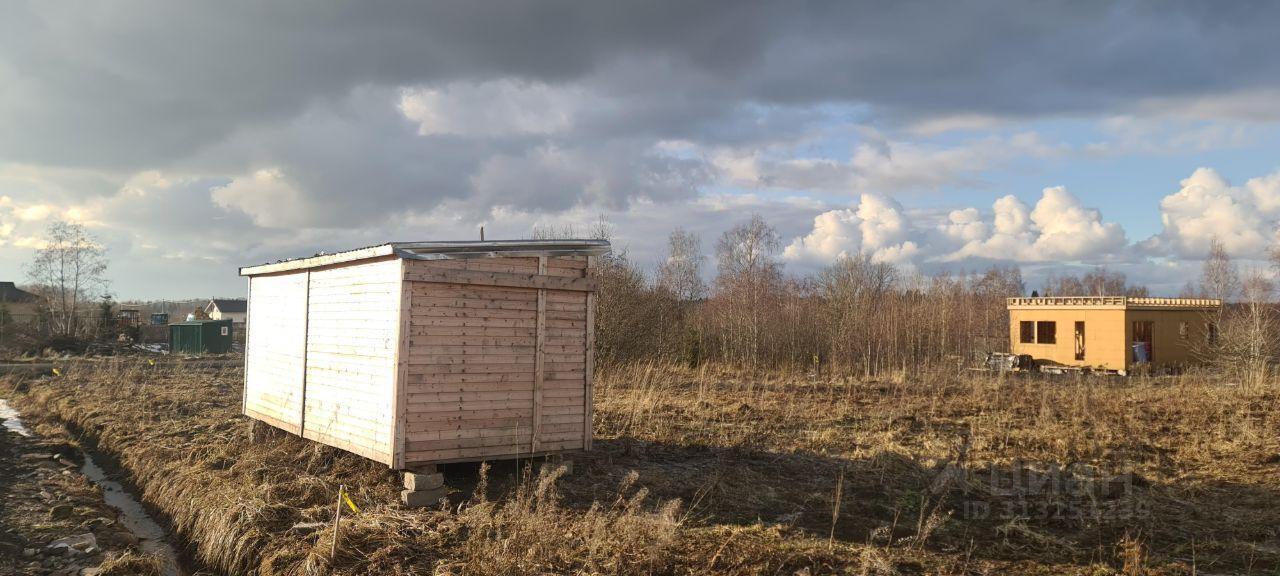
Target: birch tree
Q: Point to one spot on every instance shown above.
(748, 278)
(69, 272)
(681, 272)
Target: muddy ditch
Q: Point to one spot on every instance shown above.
(96, 546)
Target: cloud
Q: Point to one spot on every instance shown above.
(878, 226)
(550, 178)
(879, 164)
(699, 72)
(284, 128)
(494, 108)
(1244, 218)
(266, 196)
(1058, 228)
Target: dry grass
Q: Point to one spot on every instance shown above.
(1070, 469)
(132, 564)
(717, 470)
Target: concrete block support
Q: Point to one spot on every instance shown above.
(423, 486)
(422, 498)
(418, 481)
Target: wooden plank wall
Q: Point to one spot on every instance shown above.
(474, 389)
(352, 341)
(274, 350)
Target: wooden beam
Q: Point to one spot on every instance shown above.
(589, 378)
(400, 398)
(503, 279)
(244, 392)
(538, 373)
(306, 326)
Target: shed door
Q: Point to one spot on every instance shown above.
(1142, 349)
(275, 350)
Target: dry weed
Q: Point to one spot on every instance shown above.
(753, 457)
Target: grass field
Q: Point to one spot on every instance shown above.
(719, 470)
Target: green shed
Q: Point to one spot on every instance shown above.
(200, 337)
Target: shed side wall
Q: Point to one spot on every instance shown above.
(1105, 338)
(352, 339)
(471, 377)
(1170, 347)
(274, 350)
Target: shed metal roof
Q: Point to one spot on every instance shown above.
(441, 250)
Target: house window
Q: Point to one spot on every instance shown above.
(1027, 332)
(1211, 332)
(1182, 330)
(1046, 332)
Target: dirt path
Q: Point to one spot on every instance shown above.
(53, 519)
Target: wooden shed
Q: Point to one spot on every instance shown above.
(1111, 333)
(422, 353)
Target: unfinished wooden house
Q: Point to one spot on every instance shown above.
(1111, 333)
(420, 353)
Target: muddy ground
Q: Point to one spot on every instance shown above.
(53, 519)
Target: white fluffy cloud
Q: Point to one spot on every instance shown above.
(878, 226)
(1067, 230)
(1059, 227)
(1207, 206)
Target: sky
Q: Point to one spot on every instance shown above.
(192, 139)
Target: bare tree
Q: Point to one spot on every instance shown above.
(1096, 282)
(748, 277)
(1219, 277)
(681, 272)
(69, 272)
(1255, 325)
(747, 250)
(855, 288)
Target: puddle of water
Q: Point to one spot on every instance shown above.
(152, 538)
(12, 420)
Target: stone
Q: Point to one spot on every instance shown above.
(422, 498)
(419, 481)
(304, 528)
(95, 524)
(61, 512)
(80, 543)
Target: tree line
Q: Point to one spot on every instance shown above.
(857, 315)
(866, 317)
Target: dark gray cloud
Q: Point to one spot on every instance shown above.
(141, 82)
(289, 126)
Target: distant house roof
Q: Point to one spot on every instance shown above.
(10, 293)
(228, 306)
